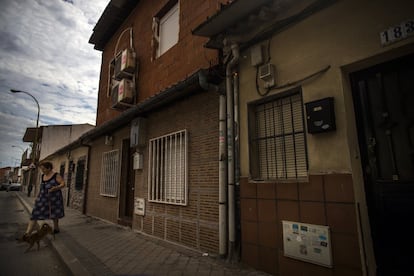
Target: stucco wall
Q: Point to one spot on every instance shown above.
(55, 137)
(340, 35)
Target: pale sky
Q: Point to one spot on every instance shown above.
(44, 50)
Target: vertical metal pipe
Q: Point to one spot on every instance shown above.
(230, 146)
(222, 177)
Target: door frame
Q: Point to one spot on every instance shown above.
(127, 186)
(358, 151)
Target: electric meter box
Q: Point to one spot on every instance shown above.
(320, 115)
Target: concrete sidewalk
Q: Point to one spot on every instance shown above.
(90, 246)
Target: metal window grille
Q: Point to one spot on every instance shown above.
(109, 173)
(167, 181)
(279, 139)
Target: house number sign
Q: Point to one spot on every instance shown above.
(397, 32)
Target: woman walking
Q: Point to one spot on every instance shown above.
(49, 202)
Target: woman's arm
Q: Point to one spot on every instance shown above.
(61, 184)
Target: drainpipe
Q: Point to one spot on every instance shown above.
(237, 156)
(230, 146)
(85, 196)
(222, 161)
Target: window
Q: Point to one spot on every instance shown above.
(277, 135)
(166, 28)
(109, 173)
(167, 181)
(80, 174)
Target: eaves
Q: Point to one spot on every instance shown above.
(177, 91)
(236, 23)
(111, 19)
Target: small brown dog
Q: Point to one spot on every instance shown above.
(35, 237)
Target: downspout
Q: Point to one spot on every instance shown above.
(237, 159)
(230, 146)
(222, 161)
(85, 196)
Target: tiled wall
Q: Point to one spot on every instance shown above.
(324, 200)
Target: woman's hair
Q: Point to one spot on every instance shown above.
(48, 165)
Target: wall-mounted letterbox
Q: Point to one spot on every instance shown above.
(320, 115)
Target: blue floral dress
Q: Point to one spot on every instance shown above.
(48, 205)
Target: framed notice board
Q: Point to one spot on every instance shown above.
(307, 242)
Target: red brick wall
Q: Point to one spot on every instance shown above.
(324, 200)
(194, 225)
(184, 58)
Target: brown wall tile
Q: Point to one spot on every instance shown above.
(287, 191)
(346, 271)
(310, 269)
(268, 259)
(288, 210)
(266, 210)
(266, 190)
(248, 209)
(247, 189)
(339, 188)
(249, 232)
(267, 234)
(250, 254)
(289, 266)
(312, 190)
(345, 250)
(341, 217)
(312, 212)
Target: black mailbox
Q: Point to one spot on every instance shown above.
(320, 115)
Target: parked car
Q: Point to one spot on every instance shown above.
(14, 187)
(4, 186)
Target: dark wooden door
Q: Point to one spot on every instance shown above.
(127, 191)
(384, 105)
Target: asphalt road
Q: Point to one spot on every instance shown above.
(13, 259)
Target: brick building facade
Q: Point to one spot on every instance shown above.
(170, 106)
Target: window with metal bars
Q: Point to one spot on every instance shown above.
(277, 138)
(167, 181)
(110, 173)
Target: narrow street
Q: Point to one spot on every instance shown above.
(13, 259)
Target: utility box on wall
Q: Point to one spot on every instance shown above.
(320, 115)
(138, 132)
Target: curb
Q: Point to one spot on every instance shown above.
(72, 263)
